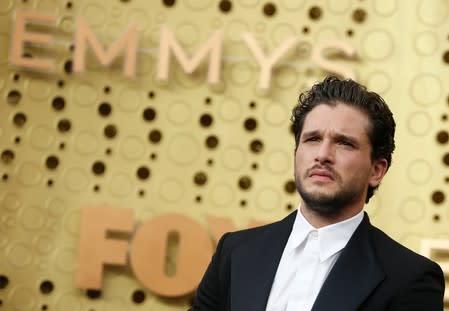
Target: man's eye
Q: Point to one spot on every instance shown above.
(311, 139)
(346, 143)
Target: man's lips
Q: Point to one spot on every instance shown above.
(321, 174)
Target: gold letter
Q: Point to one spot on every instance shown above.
(266, 63)
(95, 249)
(20, 36)
(168, 43)
(149, 252)
(325, 64)
(84, 35)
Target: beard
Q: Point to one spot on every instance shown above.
(329, 204)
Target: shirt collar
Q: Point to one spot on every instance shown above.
(332, 238)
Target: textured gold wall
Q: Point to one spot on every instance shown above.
(97, 138)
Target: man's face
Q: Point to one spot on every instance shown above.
(333, 165)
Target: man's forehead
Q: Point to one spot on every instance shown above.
(339, 118)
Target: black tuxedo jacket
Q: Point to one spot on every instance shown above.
(373, 273)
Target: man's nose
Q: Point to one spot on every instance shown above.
(325, 152)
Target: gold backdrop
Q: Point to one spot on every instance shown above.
(72, 140)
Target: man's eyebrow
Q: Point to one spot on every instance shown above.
(347, 138)
(310, 134)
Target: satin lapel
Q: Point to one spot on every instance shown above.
(254, 265)
(354, 276)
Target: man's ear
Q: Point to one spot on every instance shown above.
(379, 169)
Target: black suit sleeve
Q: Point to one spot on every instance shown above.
(425, 293)
(208, 295)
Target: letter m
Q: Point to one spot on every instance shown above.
(169, 44)
(84, 37)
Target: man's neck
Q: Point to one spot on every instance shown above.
(318, 220)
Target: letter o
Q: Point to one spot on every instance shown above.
(149, 249)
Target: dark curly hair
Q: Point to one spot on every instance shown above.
(333, 90)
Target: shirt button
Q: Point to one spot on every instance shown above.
(314, 234)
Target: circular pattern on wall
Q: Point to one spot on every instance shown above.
(198, 4)
(378, 81)
(277, 162)
(11, 202)
(76, 179)
(419, 171)
(268, 198)
(171, 190)
(65, 259)
(248, 3)
(120, 185)
(8, 222)
(292, 5)
(94, 14)
(43, 244)
(240, 73)
(86, 142)
(187, 33)
(221, 195)
(233, 158)
(5, 7)
(118, 304)
(426, 89)
(326, 34)
(434, 14)
(29, 174)
(69, 299)
(425, 43)
(338, 6)
(19, 255)
(385, 8)
(38, 89)
(419, 123)
(132, 148)
(16, 298)
(67, 23)
(55, 206)
(234, 30)
(129, 100)
(275, 114)
(229, 109)
(377, 45)
(84, 94)
(179, 112)
(183, 149)
(281, 32)
(32, 218)
(412, 210)
(72, 220)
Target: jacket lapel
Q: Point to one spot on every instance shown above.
(354, 276)
(254, 265)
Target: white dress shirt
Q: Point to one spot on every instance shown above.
(308, 257)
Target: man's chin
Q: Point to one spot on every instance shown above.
(323, 203)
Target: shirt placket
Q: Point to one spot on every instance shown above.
(303, 282)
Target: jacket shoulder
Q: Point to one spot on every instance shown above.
(251, 235)
(397, 258)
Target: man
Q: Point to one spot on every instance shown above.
(326, 256)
